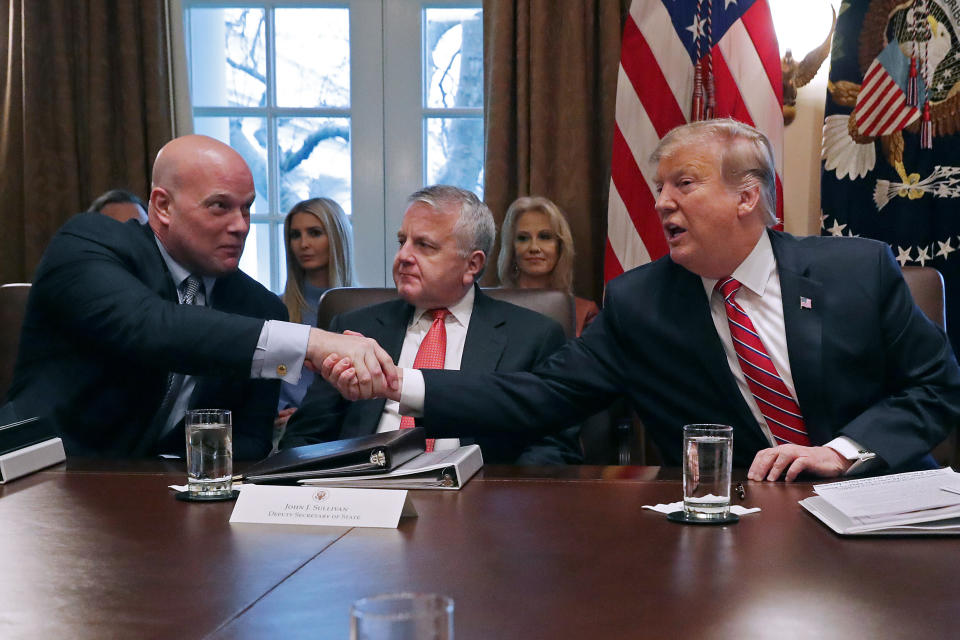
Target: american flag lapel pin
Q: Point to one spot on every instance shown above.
(806, 303)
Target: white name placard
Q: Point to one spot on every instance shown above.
(267, 504)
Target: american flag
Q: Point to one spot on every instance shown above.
(655, 94)
(882, 106)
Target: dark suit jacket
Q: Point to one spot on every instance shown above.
(102, 330)
(501, 337)
(865, 361)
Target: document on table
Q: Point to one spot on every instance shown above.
(921, 502)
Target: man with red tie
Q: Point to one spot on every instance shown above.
(811, 348)
(441, 321)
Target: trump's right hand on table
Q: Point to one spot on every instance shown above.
(371, 368)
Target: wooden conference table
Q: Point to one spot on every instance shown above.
(102, 550)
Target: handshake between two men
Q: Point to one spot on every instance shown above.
(356, 365)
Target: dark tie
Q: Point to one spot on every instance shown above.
(189, 289)
(431, 355)
(778, 407)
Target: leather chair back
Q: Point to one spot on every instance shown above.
(554, 304)
(926, 286)
(335, 301)
(13, 305)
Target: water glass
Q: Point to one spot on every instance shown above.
(402, 616)
(209, 452)
(707, 457)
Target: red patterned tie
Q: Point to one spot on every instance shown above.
(430, 355)
(776, 404)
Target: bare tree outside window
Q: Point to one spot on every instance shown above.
(454, 56)
(299, 83)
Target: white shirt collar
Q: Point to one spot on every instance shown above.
(461, 310)
(754, 272)
(179, 273)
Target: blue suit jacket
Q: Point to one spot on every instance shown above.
(102, 330)
(501, 337)
(866, 362)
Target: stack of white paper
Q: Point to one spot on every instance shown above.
(921, 502)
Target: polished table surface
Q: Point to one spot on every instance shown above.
(96, 549)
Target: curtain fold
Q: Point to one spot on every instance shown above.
(551, 84)
(85, 107)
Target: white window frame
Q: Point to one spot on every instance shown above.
(388, 155)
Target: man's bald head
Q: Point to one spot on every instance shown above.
(180, 158)
(200, 200)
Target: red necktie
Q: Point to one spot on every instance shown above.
(430, 355)
(773, 398)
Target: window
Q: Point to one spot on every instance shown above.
(362, 101)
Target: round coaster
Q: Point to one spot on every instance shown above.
(683, 518)
(186, 497)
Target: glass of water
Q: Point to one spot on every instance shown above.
(707, 457)
(402, 616)
(209, 452)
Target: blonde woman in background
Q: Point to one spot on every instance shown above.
(319, 248)
(536, 252)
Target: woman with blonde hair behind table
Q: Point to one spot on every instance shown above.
(319, 248)
(536, 252)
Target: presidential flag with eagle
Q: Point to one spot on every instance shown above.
(891, 150)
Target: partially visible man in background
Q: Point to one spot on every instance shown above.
(121, 205)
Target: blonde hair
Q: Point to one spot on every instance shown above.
(561, 277)
(340, 267)
(746, 156)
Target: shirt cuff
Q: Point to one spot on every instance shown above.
(850, 450)
(280, 351)
(412, 393)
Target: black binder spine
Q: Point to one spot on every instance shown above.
(24, 433)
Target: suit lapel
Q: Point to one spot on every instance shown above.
(154, 268)
(802, 299)
(691, 309)
(390, 332)
(155, 274)
(485, 340)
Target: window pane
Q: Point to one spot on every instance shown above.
(255, 261)
(455, 152)
(248, 136)
(454, 58)
(314, 160)
(313, 57)
(228, 63)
